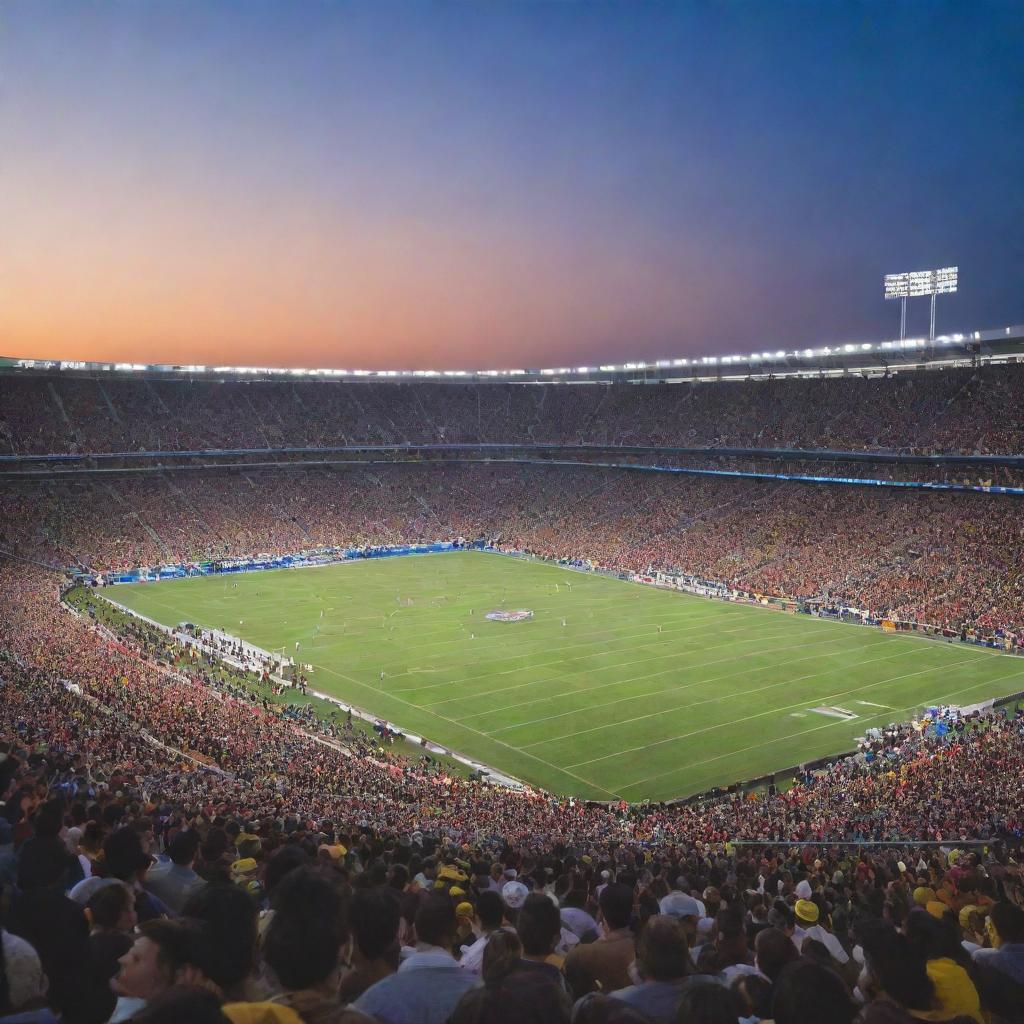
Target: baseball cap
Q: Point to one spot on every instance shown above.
(513, 895)
(678, 904)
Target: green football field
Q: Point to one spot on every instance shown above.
(612, 690)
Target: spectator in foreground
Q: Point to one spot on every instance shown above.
(1006, 932)
(428, 984)
(374, 917)
(663, 964)
(604, 965)
(807, 992)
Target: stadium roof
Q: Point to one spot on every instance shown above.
(1004, 344)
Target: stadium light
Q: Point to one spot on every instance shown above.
(917, 283)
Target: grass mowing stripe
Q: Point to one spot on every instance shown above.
(828, 725)
(540, 760)
(739, 693)
(637, 661)
(749, 718)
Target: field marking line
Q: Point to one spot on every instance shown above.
(827, 725)
(508, 746)
(654, 675)
(701, 682)
(635, 661)
(748, 718)
(546, 641)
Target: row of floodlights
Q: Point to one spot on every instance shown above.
(660, 364)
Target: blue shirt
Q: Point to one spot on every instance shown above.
(425, 990)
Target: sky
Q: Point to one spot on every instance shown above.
(441, 185)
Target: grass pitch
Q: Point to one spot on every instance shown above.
(612, 690)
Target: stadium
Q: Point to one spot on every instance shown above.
(474, 545)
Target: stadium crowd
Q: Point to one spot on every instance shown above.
(950, 560)
(953, 411)
(172, 850)
(175, 846)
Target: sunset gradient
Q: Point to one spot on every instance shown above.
(419, 185)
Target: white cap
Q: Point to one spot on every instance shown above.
(678, 904)
(513, 894)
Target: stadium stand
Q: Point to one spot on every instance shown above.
(174, 847)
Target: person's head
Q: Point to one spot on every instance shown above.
(281, 862)
(435, 920)
(112, 908)
(616, 903)
(501, 955)
(773, 950)
(177, 1004)
(755, 994)
(164, 953)
(517, 997)
(708, 1003)
(933, 937)
(374, 917)
(893, 968)
(124, 856)
(539, 925)
(662, 951)
(808, 992)
(228, 916)
(1005, 924)
(490, 910)
(184, 848)
(308, 928)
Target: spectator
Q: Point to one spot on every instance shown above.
(663, 965)
(176, 882)
(604, 965)
(374, 918)
(428, 984)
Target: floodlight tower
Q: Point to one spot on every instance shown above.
(917, 283)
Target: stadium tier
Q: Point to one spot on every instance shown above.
(170, 767)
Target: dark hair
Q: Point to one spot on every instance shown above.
(520, 997)
(774, 950)
(308, 927)
(490, 909)
(229, 921)
(502, 954)
(816, 950)
(755, 991)
(123, 856)
(597, 1008)
(933, 938)
(808, 992)
(180, 943)
(1008, 919)
(616, 902)
(107, 904)
(195, 1005)
(898, 968)
(281, 862)
(435, 920)
(183, 848)
(374, 918)
(538, 925)
(662, 951)
(708, 1002)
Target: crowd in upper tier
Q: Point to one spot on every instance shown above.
(963, 411)
(944, 559)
